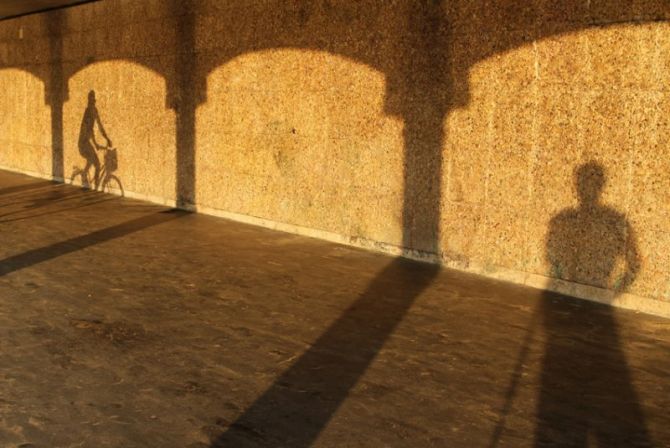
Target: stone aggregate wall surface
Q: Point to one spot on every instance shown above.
(449, 130)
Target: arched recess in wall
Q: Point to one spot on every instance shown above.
(539, 111)
(301, 137)
(25, 130)
(131, 101)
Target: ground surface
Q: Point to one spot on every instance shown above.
(123, 324)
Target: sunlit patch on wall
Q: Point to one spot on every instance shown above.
(25, 129)
(301, 137)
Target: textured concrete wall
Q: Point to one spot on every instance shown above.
(453, 130)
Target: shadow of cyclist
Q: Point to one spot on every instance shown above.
(88, 144)
(586, 386)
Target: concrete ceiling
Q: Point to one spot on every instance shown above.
(12, 8)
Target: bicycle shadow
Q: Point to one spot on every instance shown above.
(103, 178)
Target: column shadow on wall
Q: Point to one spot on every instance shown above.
(586, 386)
(189, 91)
(56, 91)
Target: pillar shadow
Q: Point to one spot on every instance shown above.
(56, 91)
(185, 99)
(42, 254)
(586, 386)
(300, 403)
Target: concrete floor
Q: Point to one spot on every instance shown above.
(123, 324)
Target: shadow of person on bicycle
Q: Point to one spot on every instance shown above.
(88, 144)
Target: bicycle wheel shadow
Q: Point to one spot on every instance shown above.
(110, 182)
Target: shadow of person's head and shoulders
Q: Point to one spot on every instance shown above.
(592, 243)
(89, 118)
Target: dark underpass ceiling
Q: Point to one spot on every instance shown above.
(12, 8)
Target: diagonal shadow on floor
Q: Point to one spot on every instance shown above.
(42, 254)
(299, 403)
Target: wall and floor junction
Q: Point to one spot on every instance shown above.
(526, 141)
